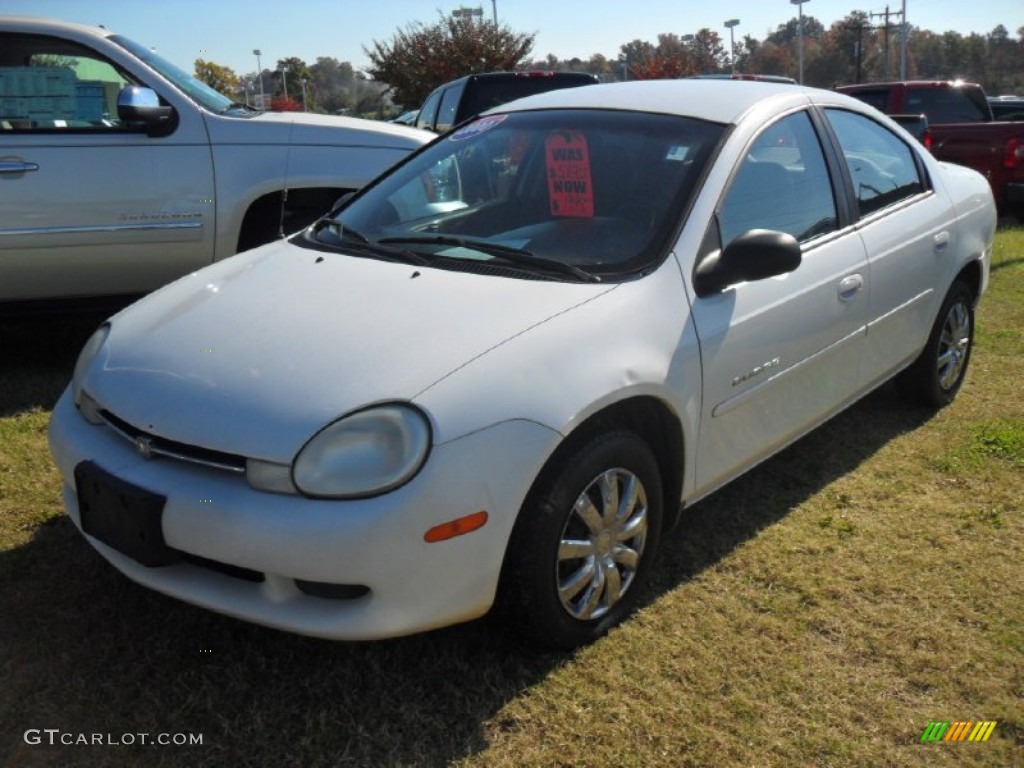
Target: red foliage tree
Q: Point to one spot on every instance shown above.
(284, 104)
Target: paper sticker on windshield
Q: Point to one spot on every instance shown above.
(569, 184)
(477, 127)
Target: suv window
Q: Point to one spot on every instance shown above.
(881, 165)
(48, 84)
(781, 184)
(429, 111)
(946, 105)
(449, 103)
(878, 99)
(485, 92)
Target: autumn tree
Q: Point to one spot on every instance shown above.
(288, 79)
(670, 58)
(419, 58)
(220, 78)
(709, 51)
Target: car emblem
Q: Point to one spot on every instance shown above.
(144, 446)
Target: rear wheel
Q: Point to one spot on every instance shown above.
(935, 377)
(584, 542)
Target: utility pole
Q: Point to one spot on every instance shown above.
(858, 51)
(885, 31)
(903, 40)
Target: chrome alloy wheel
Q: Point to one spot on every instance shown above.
(601, 544)
(954, 345)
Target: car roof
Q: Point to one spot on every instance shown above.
(720, 101)
(48, 25)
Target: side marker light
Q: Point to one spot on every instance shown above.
(457, 527)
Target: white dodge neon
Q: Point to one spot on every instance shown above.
(495, 375)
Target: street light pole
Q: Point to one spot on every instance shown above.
(800, 36)
(259, 69)
(284, 80)
(494, 8)
(731, 23)
(303, 81)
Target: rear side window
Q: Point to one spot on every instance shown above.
(877, 99)
(781, 184)
(429, 111)
(449, 103)
(484, 93)
(946, 105)
(881, 165)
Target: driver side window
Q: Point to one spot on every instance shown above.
(50, 85)
(781, 184)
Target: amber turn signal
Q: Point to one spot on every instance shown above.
(456, 527)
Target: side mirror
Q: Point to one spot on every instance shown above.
(137, 105)
(754, 255)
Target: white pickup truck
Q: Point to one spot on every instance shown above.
(120, 172)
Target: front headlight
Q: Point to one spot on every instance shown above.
(366, 453)
(85, 358)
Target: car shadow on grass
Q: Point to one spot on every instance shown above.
(37, 357)
(85, 650)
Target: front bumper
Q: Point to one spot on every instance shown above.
(377, 543)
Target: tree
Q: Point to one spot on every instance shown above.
(420, 58)
(218, 77)
(709, 52)
(670, 58)
(332, 84)
(289, 74)
(283, 103)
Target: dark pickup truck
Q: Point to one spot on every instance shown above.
(961, 128)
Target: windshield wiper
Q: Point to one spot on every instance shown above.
(363, 243)
(517, 256)
(239, 105)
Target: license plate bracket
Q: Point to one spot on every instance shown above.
(122, 515)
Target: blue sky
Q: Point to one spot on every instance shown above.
(226, 31)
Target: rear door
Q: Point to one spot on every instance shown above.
(91, 208)
(906, 230)
(780, 354)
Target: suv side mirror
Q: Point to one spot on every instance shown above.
(754, 255)
(141, 106)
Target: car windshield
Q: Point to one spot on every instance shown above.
(195, 89)
(575, 194)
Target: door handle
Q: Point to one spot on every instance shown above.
(17, 166)
(940, 241)
(850, 286)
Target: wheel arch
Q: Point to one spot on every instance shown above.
(970, 275)
(283, 210)
(654, 422)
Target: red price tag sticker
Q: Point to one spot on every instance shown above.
(570, 188)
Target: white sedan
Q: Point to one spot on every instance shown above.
(496, 375)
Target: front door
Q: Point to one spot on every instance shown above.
(779, 354)
(89, 207)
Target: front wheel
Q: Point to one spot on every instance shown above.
(584, 542)
(935, 377)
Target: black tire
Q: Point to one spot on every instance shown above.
(545, 584)
(935, 377)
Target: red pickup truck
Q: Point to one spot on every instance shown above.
(962, 130)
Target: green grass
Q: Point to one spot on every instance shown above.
(820, 611)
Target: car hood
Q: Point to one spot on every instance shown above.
(256, 353)
(311, 129)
